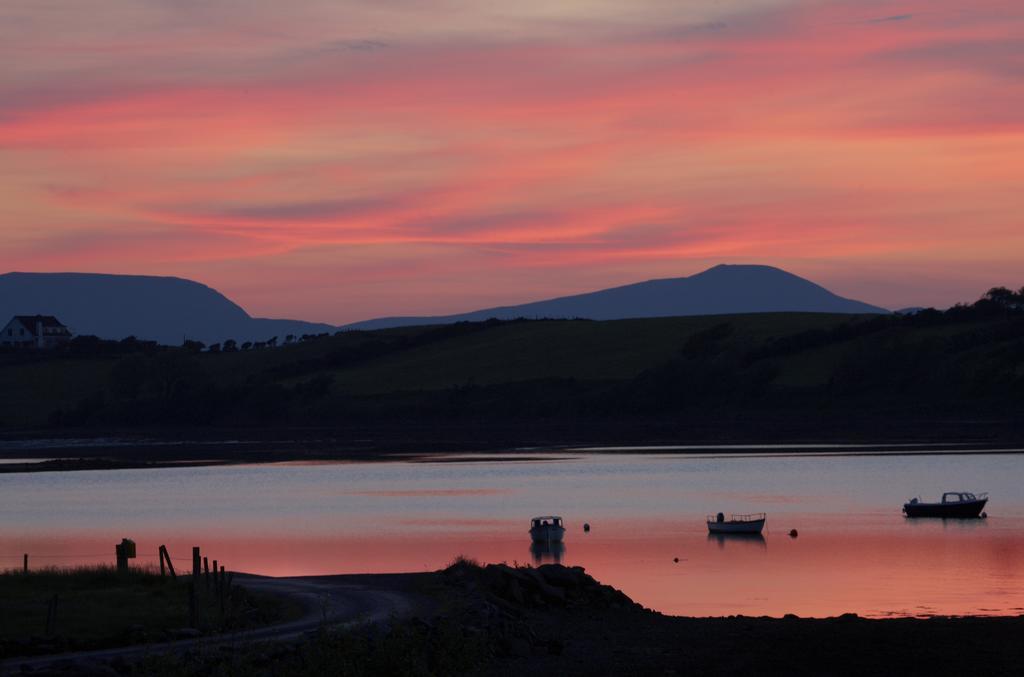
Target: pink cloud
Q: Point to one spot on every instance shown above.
(829, 136)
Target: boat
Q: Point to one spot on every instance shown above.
(953, 504)
(547, 529)
(736, 524)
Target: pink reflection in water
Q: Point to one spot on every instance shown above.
(910, 568)
(398, 493)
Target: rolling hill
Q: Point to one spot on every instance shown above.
(795, 369)
(169, 309)
(722, 290)
(163, 309)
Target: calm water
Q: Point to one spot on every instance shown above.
(855, 552)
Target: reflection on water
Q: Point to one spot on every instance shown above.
(855, 552)
(547, 553)
(739, 540)
(947, 523)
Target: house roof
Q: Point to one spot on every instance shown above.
(30, 322)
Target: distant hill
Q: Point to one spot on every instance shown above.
(169, 309)
(163, 309)
(722, 290)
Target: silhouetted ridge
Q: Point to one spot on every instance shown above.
(171, 309)
(723, 289)
(164, 309)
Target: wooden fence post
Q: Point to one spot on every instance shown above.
(193, 588)
(124, 551)
(164, 555)
(163, 569)
(26, 562)
(215, 573)
(221, 591)
(206, 572)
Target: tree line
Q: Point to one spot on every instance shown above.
(889, 363)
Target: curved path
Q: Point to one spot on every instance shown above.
(334, 601)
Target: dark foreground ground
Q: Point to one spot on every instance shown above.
(554, 620)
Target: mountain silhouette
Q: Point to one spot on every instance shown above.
(163, 309)
(724, 289)
(171, 309)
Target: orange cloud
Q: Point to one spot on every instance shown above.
(504, 158)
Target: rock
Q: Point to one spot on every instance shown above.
(547, 591)
(185, 633)
(561, 576)
(515, 592)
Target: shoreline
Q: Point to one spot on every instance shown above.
(554, 619)
(125, 453)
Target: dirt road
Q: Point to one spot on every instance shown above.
(331, 601)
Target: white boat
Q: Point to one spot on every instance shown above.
(547, 529)
(736, 524)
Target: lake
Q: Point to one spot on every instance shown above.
(854, 552)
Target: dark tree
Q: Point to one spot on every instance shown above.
(193, 346)
(1002, 296)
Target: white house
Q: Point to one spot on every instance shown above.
(34, 331)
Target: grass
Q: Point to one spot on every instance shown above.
(613, 350)
(353, 373)
(505, 353)
(37, 388)
(99, 607)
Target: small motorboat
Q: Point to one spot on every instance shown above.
(953, 504)
(736, 524)
(547, 529)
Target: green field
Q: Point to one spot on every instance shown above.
(530, 368)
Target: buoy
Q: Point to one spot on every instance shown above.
(676, 560)
(586, 526)
(792, 533)
(984, 514)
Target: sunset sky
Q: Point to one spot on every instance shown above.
(332, 160)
